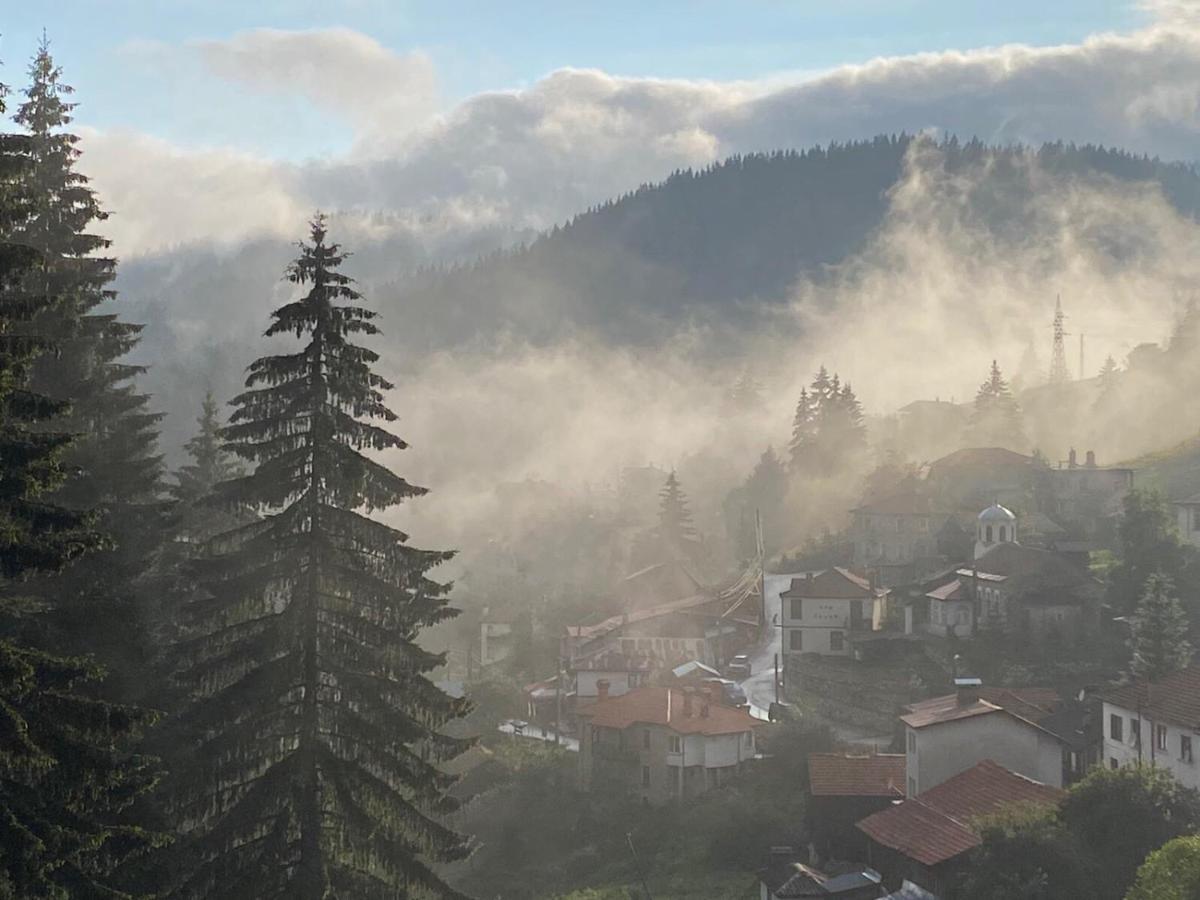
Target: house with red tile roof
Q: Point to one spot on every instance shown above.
(926, 838)
(1156, 723)
(663, 743)
(949, 734)
(822, 611)
(847, 787)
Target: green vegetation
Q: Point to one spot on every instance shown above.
(1172, 872)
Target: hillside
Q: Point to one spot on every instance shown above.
(721, 246)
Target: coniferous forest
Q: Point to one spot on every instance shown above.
(702, 490)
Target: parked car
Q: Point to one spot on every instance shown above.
(739, 666)
(731, 692)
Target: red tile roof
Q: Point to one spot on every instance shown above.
(832, 584)
(1174, 699)
(849, 775)
(1028, 704)
(938, 825)
(667, 706)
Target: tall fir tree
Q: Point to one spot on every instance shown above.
(209, 465)
(996, 417)
(99, 603)
(803, 432)
(317, 772)
(66, 774)
(676, 531)
(1159, 631)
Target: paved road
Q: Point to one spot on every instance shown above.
(760, 686)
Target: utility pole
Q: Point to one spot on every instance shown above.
(762, 571)
(1082, 371)
(776, 677)
(558, 680)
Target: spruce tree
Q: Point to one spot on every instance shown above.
(316, 775)
(803, 432)
(675, 528)
(98, 604)
(66, 776)
(1160, 630)
(194, 481)
(996, 418)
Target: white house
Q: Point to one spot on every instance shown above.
(948, 735)
(1187, 517)
(820, 611)
(1156, 724)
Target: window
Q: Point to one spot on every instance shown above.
(748, 738)
(1196, 518)
(674, 744)
(1135, 732)
(1112, 763)
(595, 735)
(1160, 737)
(987, 534)
(1116, 727)
(796, 640)
(836, 642)
(796, 605)
(635, 679)
(645, 738)
(645, 776)
(912, 742)
(1185, 748)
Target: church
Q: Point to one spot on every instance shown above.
(1007, 587)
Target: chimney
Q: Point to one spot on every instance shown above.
(687, 702)
(1071, 459)
(602, 689)
(808, 576)
(967, 690)
(1091, 459)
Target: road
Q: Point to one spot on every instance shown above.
(760, 686)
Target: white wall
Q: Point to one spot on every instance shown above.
(1125, 751)
(585, 683)
(942, 751)
(1185, 520)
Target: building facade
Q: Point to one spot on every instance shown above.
(662, 744)
(821, 611)
(1156, 724)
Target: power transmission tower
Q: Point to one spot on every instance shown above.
(1058, 359)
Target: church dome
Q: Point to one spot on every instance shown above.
(997, 515)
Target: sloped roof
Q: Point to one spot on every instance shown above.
(1174, 699)
(938, 824)
(851, 775)
(641, 615)
(952, 590)
(984, 457)
(908, 501)
(666, 706)
(1031, 705)
(832, 584)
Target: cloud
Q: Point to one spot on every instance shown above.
(525, 159)
(339, 70)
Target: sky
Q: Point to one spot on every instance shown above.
(143, 68)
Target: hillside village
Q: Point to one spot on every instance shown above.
(961, 645)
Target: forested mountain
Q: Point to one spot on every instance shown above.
(704, 246)
(718, 248)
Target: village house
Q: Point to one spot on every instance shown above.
(845, 788)
(1187, 518)
(821, 613)
(970, 478)
(662, 743)
(896, 537)
(926, 839)
(621, 673)
(1156, 724)
(948, 735)
(1088, 496)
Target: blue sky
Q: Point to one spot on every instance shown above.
(130, 63)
